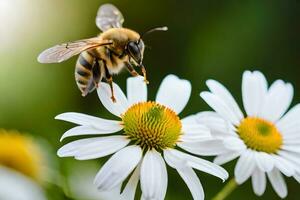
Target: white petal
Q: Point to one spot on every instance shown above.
(174, 93)
(208, 147)
(219, 90)
(289, 123)
(291, 140)
(195, 129)
(107, 146)
(87, 120)
(297, 177)
(154, 178)
(192, 181)
(291, 132)
(118, 167)
(89, 130)
(212, 120)
(136, 90)
(92, 148)
(278, 183)
(284, 166)
(244, 167)
(191, 119)
(259, 182)
(226, 157)
(116, 108)
(72, 148)
(254, 88)
(278, 99)
(264, 161)
(174, 161)
(15, 186)
(194, 132)
(130, 188)
(291, 156)
(292, 147)
(220, 107)
(219, 127)
(195, 162)
(234, 144)
(194, 137)
(186, 173)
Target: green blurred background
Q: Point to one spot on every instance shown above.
(206, 39)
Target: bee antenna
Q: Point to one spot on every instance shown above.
(163, 28)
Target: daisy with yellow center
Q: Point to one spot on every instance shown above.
(149, 134)
(266, 140)
(20, 167)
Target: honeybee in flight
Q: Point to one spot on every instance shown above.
(102, 56)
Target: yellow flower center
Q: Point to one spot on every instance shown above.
(19, 153)
(152, 125)
(260, 135)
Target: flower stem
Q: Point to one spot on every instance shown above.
(226, 190)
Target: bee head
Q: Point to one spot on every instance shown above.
(135, 50)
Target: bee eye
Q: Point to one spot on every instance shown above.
(134, 51)
(133, 48)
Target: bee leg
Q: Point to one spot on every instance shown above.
(144, 73)
(131, 69)
(109, 79)
(110, 82)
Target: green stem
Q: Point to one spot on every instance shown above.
(226, 190)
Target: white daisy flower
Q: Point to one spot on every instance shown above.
(20, 167)
(149, 133)
(266, 140)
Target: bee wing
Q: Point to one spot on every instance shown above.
(109, 16)
(62, 52)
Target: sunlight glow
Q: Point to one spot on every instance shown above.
(12, 17)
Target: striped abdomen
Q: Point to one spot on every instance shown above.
(84, 73)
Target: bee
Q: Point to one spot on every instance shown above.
(105, 55)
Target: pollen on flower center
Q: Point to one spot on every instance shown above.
(152, 125)
(18, 152)
(260, 135)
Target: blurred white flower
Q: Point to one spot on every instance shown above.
(81, 187)
(266, 140)
(20, 167)
(150, 131)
